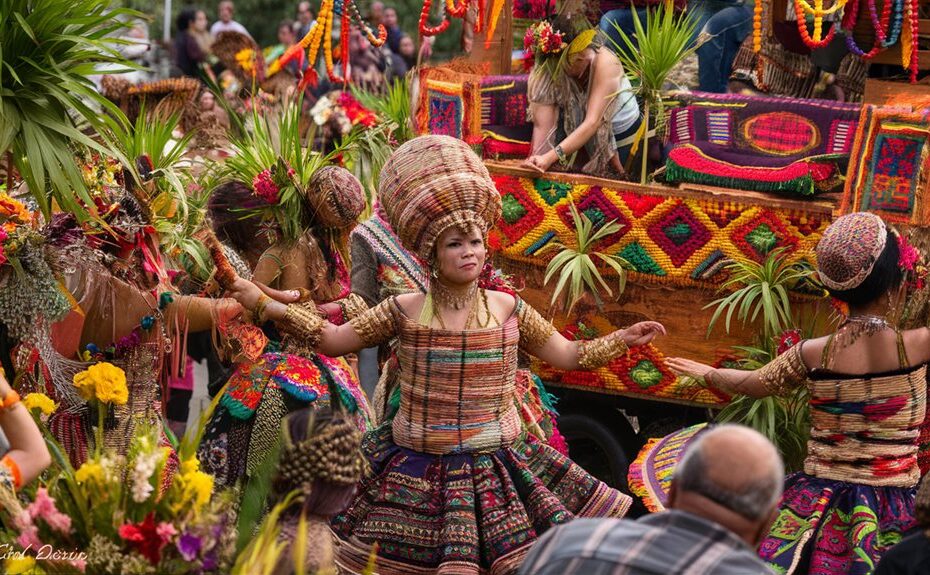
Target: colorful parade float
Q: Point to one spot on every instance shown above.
(717, 238)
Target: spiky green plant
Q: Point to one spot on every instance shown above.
(394, 106)
(664, 41)
(576, 267)
(275, 137)
(760, 296)
(760, 288)
(48, 50)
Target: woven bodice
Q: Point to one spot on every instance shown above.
(457, 387)
(864, 429)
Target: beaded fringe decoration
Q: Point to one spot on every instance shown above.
(650, 475)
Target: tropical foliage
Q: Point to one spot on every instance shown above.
(578, 269)
(49, 49)
(760, 296)
(659, 46)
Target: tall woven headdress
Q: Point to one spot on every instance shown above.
(432, 183)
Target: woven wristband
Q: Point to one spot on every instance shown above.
(596, 353)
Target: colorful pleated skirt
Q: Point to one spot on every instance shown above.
(463, 513)
(826, 527)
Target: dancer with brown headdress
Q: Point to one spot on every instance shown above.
(868, 387)
(455, 484)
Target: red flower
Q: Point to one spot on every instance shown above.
(789, 339)
(146, 538)
(265, 188)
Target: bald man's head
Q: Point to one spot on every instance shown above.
(734, 468)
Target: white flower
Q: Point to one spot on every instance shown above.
(141, 474)
(322, 110)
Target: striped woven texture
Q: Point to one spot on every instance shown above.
(336, 196)
(457, 392)
(432, 183)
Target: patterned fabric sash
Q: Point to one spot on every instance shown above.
(398, 270)
(457, 387)
(865, 429)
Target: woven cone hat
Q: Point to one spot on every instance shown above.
(432, 183)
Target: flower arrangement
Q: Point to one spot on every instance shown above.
(534, 9)
(140, 512)
(340, 112)
(542, 41)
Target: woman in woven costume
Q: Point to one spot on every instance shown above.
(455, 486)
(381, 268)
(578, 82)
(289, 375)
(868, 386)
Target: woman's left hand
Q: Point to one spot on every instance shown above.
(537, 163)
(642, 333)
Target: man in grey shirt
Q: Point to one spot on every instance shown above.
(722, 501)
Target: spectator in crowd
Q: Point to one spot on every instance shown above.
(286, 39)
(392, 26)
(188, 57)
(368, 63)
(305, 20)
(408, 52)
(226, 23)
(912, 555)
(376, 14)
(723, 497)
(201, 32)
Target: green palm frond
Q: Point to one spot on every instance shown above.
(48, 48)
(577, 268)
(760, 290)
(394, 107)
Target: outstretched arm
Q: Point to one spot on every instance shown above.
(301, 321)
(778, 377)
(730, 381)
(591, 354)
(28, 451)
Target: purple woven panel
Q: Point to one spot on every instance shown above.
(763, 131)
(503, 101)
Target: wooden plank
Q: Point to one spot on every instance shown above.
(883, 92)
(822, 204)
(498, 53)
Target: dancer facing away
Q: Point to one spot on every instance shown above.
(454, 486)
(868, 385)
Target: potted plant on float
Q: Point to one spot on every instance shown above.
(659, 46)
(50, 48)
(760, 296)
(580, 268)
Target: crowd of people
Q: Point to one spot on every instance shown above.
(371, 66)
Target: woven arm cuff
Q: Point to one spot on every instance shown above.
(535, 330)
(352, 306)
(595, 353)
(784, 373)
(376, 325)
(302, 322)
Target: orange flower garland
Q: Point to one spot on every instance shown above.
(801, 8)
(757, 27)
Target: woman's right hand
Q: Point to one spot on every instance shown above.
(689, 368)
(245, 292)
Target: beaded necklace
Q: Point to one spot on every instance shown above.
(879, 24)
(801, 8)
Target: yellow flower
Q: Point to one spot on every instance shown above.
(91, 471)
(194, 486)
(41, 402)
(246, 59)
(104, 382)
(20, 564)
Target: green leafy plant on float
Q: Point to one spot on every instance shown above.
(275, 153)
(392, 107)
(760, 296)
(659, 46)
(49, 50)
(579, 269)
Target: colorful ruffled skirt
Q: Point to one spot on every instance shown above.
(246, 424)
(463, 512)
(826, 527)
